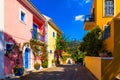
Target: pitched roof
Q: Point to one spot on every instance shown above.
(29, 5)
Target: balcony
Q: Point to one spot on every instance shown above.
(89, 22)
(42, 38)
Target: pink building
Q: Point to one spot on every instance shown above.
(17, 20)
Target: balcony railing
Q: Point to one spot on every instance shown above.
(89, 18)
(42, 38)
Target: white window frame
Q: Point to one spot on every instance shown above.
(104, 9)
(22, 11)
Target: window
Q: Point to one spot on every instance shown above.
(106, 32)
(9, 47)
(53, 34)
(109, 8)
(22, 16)
(34, 32)
(50, 51)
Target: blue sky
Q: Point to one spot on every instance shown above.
(68, 15)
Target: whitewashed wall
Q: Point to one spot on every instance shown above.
(1, 39)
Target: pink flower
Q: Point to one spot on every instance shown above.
(62, 40)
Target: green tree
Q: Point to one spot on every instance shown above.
(61, 43)
(73, 49)
(91, 42)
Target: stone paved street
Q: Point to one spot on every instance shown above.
(63, 72)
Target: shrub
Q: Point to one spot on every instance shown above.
(91, 42)
(45, 64)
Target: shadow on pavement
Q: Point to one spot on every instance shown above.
(62, 72)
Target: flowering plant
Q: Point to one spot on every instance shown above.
(61, 43)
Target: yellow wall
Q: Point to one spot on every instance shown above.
(109, 68)
(51, 44)
(117, 38)
(102, 68)
(100, 19)
(94, 66)
(109, 42)
(115, 65)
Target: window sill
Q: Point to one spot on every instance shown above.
(109, 16)
(23, 22)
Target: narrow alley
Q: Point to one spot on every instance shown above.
(63, 72)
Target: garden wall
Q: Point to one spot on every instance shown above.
(99, 66)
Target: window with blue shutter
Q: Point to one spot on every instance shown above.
(34, 32)
(106, 32)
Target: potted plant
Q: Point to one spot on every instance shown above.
(37, 66)
(18, 70)
(53, 62)
(45, 64)
(103, 53)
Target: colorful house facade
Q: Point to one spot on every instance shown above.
(52, 32)
(20, 21)
(105, 14)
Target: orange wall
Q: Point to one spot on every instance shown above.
(101, 20)
(117, 38)
(102, 69)
(112, 68)
(108, 68)
(109, 42)
(94, 65)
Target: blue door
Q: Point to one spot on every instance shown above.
(26, 56)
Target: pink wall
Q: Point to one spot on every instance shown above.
(17, 31)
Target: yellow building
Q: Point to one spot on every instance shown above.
(105, 14)
(52, 32)
(101, 13)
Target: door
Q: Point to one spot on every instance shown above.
(26, 57)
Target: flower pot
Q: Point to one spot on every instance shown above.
(103, 54)
(53, 64)
(19, 72)
(37, 68)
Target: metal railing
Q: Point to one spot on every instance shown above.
(89, 18)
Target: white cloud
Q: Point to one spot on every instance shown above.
(79, 18)
(87, 1)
